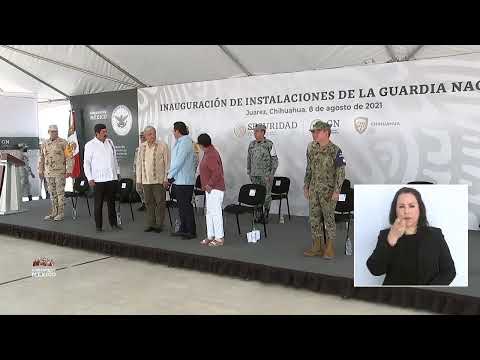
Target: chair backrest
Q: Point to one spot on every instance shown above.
(347, 205)
(171, 193)
(80, 185)
(198, 183)
(252, 194)
(345, 186)
(281, 185)
(125, 186)
(420, 183)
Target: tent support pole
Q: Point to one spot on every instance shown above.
(234, 59)
(414, 51)
(68, 66)
(33, 76)
(116, 66)
(391, 52)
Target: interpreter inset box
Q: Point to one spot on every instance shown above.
(411, 235)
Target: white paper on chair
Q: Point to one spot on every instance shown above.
(252, 192)
(278, 182)
(124, 185)
(82, 182)
(342, 197)
(253, 236)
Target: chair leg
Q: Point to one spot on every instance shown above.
(279, 209)
(131, 210)
(88, 206)
(238, 224)
(264, 223)
(288, 207)
(74, 210)
(169, 216)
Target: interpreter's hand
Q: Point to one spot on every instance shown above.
(67, 175)
(166, 184)
(268, 178)
(396, 231)
(208, 188)
(91, 183)
(305, 192)
(335, 196)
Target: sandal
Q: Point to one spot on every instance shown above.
(205, 241)
(215, 243)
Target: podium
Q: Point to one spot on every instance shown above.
(10, 186)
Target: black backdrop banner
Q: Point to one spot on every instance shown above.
(118, 110)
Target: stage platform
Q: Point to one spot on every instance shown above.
(275, 259)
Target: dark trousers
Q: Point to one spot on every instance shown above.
(105, 191)
(184, 194)
(155, 203)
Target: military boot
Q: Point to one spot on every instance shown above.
(60, 213)
(53, 213)
(59, 217)
(316, 250)
(329, 251)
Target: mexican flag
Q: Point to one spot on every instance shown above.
(73, 148)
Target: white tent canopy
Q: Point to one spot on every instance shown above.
(53, 72)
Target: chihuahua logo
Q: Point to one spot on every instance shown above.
(122, 120)
(361, 124)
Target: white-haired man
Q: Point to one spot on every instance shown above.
(152, 165)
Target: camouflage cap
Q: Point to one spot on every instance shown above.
(260, 127)
(53, 127)
(320, 125)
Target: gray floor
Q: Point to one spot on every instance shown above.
(283, 248)
(91, 283)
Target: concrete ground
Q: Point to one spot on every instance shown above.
(93, 283)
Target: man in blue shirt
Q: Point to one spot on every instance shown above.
(182, 171)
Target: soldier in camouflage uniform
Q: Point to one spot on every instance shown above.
(138, 186)
(324, 177)
(262, 162)
(54, 165)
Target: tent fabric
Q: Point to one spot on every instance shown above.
(78, 70)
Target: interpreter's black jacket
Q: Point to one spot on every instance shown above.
(435, 265)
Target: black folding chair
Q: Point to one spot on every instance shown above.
(197, 191)
(344, 209)
(80, 189)
(124, 192)
(250, 197)
(420, 183)
(171, 202)
(280, 189)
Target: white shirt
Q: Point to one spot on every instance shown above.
(100, 161)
